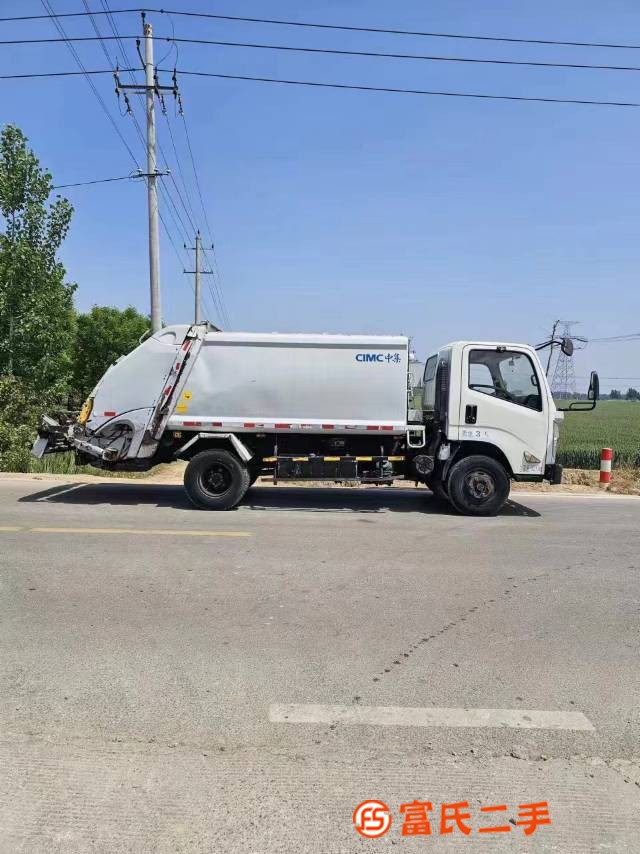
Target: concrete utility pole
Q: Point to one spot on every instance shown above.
(150, 89)
(152, 189)
(198, 272)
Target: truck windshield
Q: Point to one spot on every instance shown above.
(507, 375)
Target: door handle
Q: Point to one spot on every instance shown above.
(470, 414)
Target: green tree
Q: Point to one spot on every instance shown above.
(36, 303)
(103, 335)
(615, 394)
(632, 394)
(19, 416)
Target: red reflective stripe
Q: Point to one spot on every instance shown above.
(109, 413)
(282, 426)
(186, 345)
(167, 390)
(607, 454)
(328, 426)
(216, 423)
(249, 424)
(386, 428)
(192, 423)
(372, 427)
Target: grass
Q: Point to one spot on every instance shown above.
(612, 424)
(65, 464)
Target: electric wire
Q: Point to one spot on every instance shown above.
(216, 277)
(96, 181)
(338, 27)
(405, 91)
(340, 52)
(164, 190)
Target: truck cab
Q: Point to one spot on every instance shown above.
(490, 418)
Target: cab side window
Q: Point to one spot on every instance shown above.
(429, 383)
(506, 375)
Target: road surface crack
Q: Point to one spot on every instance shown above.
(404, 656)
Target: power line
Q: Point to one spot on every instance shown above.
(339, 27)
(217, 278)
(165, 190)
(51, 15)
(393, 90)
(97, 181)
(338, 52)
(84, 73)
(347, 86)
(632, 336)
(395, 32)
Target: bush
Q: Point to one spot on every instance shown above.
(19, 418)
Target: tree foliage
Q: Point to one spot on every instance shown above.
(103, 335)
(36, 303)
(19, 416)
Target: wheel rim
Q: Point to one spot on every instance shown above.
(217, 479)
(479, 486)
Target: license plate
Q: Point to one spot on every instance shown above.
(39, 447)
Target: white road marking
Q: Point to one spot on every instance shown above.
(61, 491)
(300, 713)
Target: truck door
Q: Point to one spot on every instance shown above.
(503, 402)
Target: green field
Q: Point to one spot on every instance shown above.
(612, 424)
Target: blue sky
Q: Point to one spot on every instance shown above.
(441, 218)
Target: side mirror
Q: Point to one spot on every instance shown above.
(594, 387)
(567, 347)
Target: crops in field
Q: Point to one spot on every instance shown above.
(612, 424)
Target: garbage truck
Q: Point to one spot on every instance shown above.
(317, 407)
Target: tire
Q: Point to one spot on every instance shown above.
(216, 480)
(478, 486)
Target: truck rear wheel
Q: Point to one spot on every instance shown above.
(216, 480)
(478, 486)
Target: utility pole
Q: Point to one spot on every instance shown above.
(151, 88)
(152, 189)
(198, 272)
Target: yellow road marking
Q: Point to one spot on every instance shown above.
(145, 531)
(9, 528)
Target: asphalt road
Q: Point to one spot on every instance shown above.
(175, 681)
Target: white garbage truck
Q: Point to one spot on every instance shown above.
(238, 405)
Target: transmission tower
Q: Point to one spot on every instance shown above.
(563, 382)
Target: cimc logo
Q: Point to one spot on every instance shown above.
(378, 357)
(372, 819)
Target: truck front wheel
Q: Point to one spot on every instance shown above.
(478, 486)
(216, 480)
